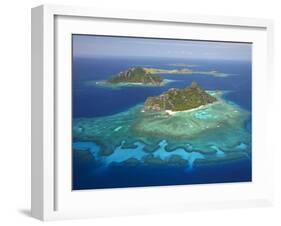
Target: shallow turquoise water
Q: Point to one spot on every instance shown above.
(128, 160)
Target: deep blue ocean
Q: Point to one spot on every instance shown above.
(97, 101)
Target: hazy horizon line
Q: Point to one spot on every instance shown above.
(156, 57)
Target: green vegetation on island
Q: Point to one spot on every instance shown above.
(136, 75)
(179, 99)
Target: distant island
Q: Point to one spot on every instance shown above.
(137, 75)
(184, 71)
(168, 71)
(147, 76)
(179, 99)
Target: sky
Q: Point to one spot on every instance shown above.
(109, 46)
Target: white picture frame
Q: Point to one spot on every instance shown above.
(51, 197)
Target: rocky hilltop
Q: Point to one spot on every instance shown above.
(179, 99)
(136, 75)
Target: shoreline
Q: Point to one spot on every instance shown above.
(104, 83)
(216, 93)
(170, 112)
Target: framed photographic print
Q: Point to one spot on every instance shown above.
(138, 112)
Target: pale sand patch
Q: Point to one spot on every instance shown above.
(191, 110)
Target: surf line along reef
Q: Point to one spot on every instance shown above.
(182, 127)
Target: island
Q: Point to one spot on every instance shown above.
(179, 99)
(210, 130)
(148, 76)
(185, 71)
(136, 75)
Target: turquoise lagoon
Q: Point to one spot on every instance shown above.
(210, 134)
(117, 144)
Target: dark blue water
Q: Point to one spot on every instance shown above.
(120, 176)
(95, 101)
(89, 101)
